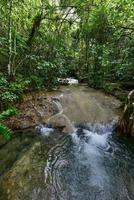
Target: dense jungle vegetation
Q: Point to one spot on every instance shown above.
(43, 40)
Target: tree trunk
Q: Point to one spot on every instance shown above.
(35, 27)
(10, 40)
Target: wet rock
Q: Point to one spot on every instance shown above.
(61, 120)
(63, 81)
(32, 113)
(57, 107)
(24, 176)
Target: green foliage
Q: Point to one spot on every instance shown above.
(45, 75)
(11, 92)
(125, 72)
(19, 86)
(90, 40)
(49, 73)
(8, 97)
(5, 132)
(7, 113)
(108, 88)
(36, 82)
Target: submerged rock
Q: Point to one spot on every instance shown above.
(12, 150)
(24, 176)
(83, 105)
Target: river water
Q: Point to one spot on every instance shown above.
(92, 163)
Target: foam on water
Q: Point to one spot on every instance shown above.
(44, 131)
(95, 138)
(90, 142)
(94, 135)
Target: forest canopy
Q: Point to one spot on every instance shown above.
(42, 40)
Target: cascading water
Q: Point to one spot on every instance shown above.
(89, 165)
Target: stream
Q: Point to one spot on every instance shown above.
(91, 163)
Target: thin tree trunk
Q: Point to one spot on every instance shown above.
(10, 40)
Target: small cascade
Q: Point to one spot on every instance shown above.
(87, 164)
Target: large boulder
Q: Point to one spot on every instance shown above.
(61, 120)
